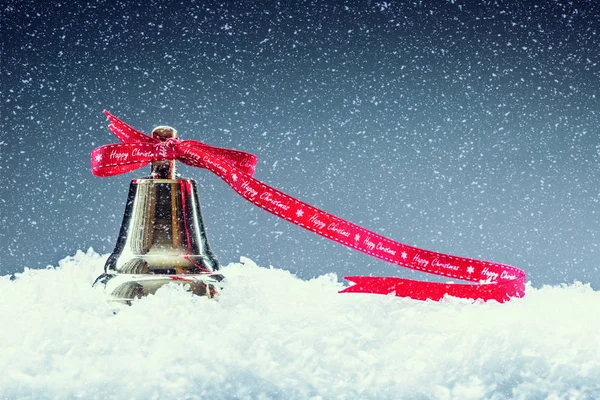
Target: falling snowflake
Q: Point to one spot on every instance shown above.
(299, 213)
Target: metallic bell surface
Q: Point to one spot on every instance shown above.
(162, 237)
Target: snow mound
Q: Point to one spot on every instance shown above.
(274, 336)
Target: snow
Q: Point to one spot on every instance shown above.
(272, 335)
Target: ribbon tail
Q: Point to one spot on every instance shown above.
(501, 286)
(243, 161)
(434, 291)
(124, 132)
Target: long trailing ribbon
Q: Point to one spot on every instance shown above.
(489, 280)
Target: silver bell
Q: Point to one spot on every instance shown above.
(162, 237)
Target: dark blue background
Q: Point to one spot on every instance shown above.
(463, 127)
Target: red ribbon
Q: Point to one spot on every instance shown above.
(489, 280)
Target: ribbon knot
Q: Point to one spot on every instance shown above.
(488, 280)
(167, 149)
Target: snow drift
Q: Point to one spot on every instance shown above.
(274, 336)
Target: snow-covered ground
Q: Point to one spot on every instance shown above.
(274, 336)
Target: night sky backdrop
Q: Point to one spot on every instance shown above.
(465, 127)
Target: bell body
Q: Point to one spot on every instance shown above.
(162, 231)
(162, 240)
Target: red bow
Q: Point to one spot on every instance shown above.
(489, 281)
(138, 149)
